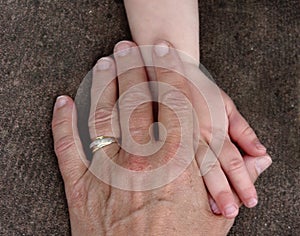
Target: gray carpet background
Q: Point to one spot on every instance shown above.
(46, 48)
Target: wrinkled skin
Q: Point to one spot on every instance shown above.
(179, 207)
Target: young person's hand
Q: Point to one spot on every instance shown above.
(228, 175)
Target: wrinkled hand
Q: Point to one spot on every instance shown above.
(103, 200)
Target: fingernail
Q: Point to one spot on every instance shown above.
(214, 207)
(60, 101)
(252, 202)
(122, 49)
(262, 163)
(103, 64)
(261, 147)
(161, 49)
(231, 211)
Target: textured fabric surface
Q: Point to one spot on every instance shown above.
(47, 47)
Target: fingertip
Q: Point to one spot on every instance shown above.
(252, 202)
(226, 204)
(62, 101)
(262, 163)
(103, 63)
(257, 165)
(122, 42)
(230, 211)
(123, 48)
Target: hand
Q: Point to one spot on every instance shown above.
(255, 160)
(177, 207)
(228, 176)
(219, 122)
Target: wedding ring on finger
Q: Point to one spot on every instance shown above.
(100, 142)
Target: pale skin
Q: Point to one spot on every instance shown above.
(177, 21)
(180, 207)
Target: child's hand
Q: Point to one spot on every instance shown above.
(232, 173)
(222, 131)
(228, 176)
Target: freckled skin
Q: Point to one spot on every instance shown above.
(179, 208)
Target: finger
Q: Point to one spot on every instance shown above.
(103, 119)
(234, 167)
(216, 183)
(67, 144)
(257, 165)
(213, 205)
(175, 110)
(134, 95)
(241, 132)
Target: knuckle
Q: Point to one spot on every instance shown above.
(77, 195)
(64, 144)
(138, 163)
(235, 164)
(224, 193)
(176, 99)
(131, 72)
(172, 67)
(139, 126)
(132, 66)
(167, 72)
(247, 131)
(57, 123)
(220, 134)
(173, 78)
(209, 164)
(180, 161)
(101, 115)
(132, 99)
(139, 137)
(142, 108)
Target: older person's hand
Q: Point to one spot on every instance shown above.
(148, 181)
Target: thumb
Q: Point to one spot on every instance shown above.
(67, 144)
(257, 165)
